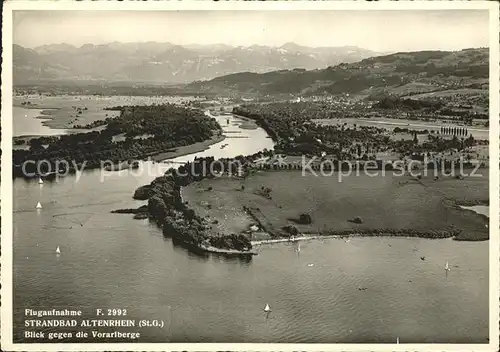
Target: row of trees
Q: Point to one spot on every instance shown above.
(455, 131)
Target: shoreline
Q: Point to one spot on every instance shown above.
(65, 115)
(371, 233)
(296, 239)
(49, 120)
(163, 212)
(188, 149)
(365, 234)
(161, 156)
(211, 249)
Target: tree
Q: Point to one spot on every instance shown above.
(35, 144)
(190, 214)
(291, 230)
(305, 218)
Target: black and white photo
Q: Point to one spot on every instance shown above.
(250, 176)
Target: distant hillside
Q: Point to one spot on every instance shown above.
(166, 62)
(401, 74)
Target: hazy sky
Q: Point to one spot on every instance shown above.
(377, 30)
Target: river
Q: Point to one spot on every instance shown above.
(113, 261)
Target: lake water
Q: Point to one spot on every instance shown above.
(480, 209)
(113, 261)
(26, 123)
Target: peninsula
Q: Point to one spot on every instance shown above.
(306, 187)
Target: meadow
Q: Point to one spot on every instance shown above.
(394, 203)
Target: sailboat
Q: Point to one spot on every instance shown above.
(40, 181)
(267, 309)
(58, 251)
(447, 267)
(39, 206)
(397, 340)
(298, 247)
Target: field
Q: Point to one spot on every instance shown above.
(478, 131)
(62, 110)
(388, 202)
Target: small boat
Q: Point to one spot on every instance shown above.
(397, 340)
(310, 264)
(39, 206)
(58, 251)
(298, 247)
(447, 267)
(267, 308)
(40, 181)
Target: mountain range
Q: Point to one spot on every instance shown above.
(168, 63)
(403, 73)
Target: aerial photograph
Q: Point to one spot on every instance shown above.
(250, 177)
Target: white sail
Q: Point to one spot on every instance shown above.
(40, 181)
(58, 251)
(446, 267)
(39, 206)
(397, 340)
(267, 309)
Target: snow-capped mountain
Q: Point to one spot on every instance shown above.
(167, 62)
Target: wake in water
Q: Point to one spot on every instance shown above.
(68, 207)
(93, 204)
(71, 219)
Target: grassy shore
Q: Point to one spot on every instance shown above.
(390, 205)
(188, 149)
(66, 116)
(61, 111)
